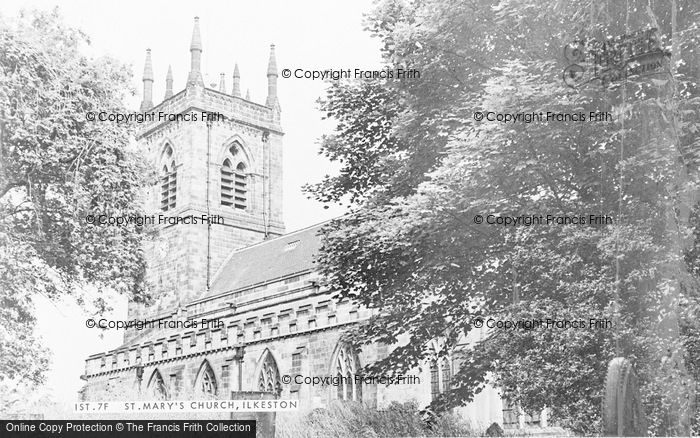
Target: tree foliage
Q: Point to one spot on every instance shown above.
(412, 251)
(56, 167)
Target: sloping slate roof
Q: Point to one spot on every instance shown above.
(265, 261)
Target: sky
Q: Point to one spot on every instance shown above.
(308, 34)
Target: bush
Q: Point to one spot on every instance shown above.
(350, 419)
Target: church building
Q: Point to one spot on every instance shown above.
(255, 284)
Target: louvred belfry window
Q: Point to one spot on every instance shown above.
(241, 187)
(234, 185)
(226, 184)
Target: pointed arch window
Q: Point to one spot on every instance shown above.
(269, 377)
(513, 415)
(168, 181)
(234, 185)
(346, 366)
(446, 375)
(206, 382)
(440, 377)
(510, 414)
(434, 380)
(156, 386)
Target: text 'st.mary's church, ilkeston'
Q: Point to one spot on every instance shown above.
(260, 285)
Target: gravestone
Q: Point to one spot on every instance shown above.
(623, 414)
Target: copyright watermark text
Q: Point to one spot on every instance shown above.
(142, 324)
(349, 380)
(107, 220)
(549, 219)
(548, 323)
(542, 117)
(350, 73)
(153, 116)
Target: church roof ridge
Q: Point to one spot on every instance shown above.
(297, 231)
(263, 242)
(267, 259)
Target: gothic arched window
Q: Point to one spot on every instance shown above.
(346, 366)
(206, 382)
(234, 180)
(513, 414)
(434, 380)
(269, 377)
(168, 180)
(156, 386)
(446, 375)
(440, 377)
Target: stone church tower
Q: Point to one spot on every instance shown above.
(240, 269)
(225, 166)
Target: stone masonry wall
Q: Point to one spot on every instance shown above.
(286, 317)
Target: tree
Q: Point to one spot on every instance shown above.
(364, 142)
(57, 167)
(419, 259)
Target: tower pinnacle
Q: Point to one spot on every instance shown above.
(195, 76)
(169, 83)
(272, 64)
(196, 43)
(147, 101)
(236, 82)
(272, 79)
(222, 83)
